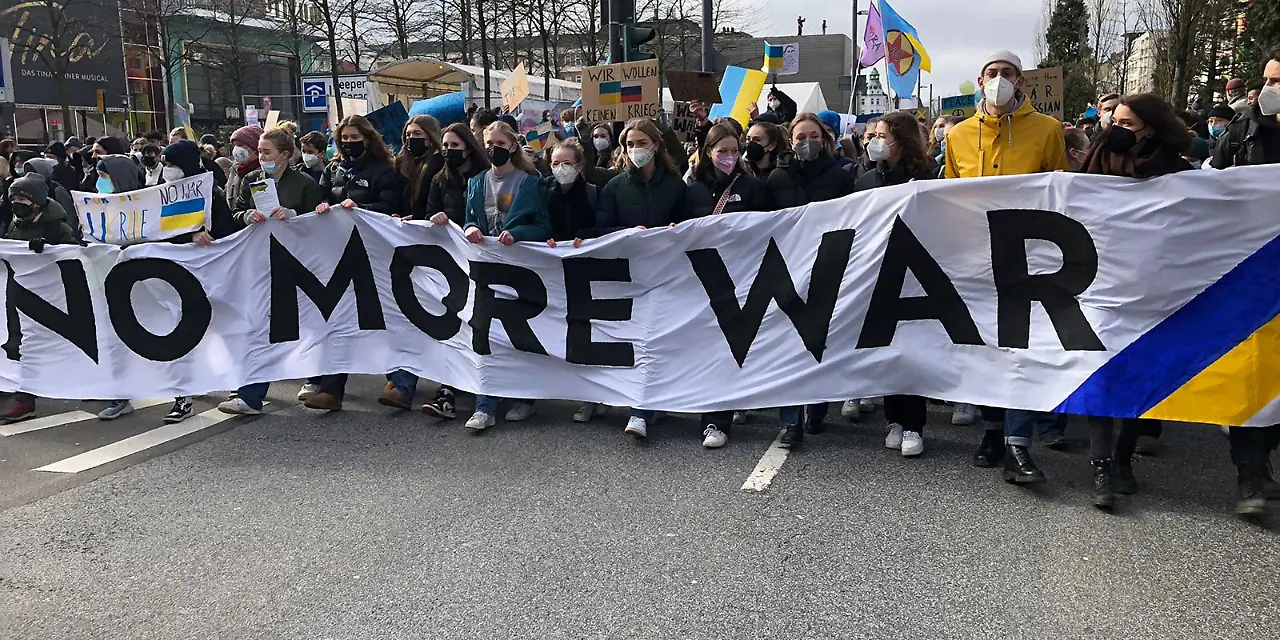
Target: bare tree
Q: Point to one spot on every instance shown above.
(1178, 23)
(330, 15)
(58, 34)
(1105, 32)
(399, 21)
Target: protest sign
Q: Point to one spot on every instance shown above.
(539, 137)
(683, 123)
(1044, 89)
(688, 86)
(962, 105)
(620, 92)
(273, 118)
(1065, 290)
(154, 213)
(515, 88)
(389, 122)
(790, 59)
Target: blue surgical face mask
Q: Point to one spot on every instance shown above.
(105, 186)
(1217, 130)
(269, 168)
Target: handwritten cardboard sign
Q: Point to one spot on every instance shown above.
(1044, 89)
(515, 88)
(620, 92)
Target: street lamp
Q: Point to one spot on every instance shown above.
(857, 60)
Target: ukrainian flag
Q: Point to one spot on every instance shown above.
(186, 215)
(738, 89)
(610, 93)
(773, 57)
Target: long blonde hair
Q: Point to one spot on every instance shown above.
(518, 157)
(650, 130)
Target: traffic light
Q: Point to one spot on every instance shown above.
(632, 38)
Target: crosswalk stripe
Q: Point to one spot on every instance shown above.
(59, 419)
(141, 442)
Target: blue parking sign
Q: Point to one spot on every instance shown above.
(314, 96)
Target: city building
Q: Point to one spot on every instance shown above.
(1141, 62)
(872, 98)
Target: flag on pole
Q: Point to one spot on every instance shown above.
(872, 39)
(184, 119)
(773, 58)
(906, 56)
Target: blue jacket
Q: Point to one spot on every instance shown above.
(527, 219)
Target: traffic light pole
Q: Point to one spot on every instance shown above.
(615, 31)
(708, 36)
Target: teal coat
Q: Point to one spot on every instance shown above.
(527, 219)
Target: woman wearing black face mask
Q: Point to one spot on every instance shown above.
(151, 166)
(464, 159)
(362, 174)
(765, 143)
(1146, 139)
(812, 175)
(419, 161)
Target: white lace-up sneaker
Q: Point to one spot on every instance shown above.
(480, 421)
(713, 437)
(912, 444)
(893, 440)
(637, 427)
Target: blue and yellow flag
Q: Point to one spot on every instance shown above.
(773, 62)
(906, 56)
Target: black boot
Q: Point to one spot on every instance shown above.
(1253, 502)
(1103, 496)
(792, 437)
(990, 451)
(1019, 468)
(1270, 488)
(1122, 477)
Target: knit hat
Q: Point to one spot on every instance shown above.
(185, 155)
(32, 187)
(73, 142)
(209, 138)
(1222, 111)
(510, 120)
(1235, 83)
(1002, 56)
(57, 149)
(247, 136)
(832, 120)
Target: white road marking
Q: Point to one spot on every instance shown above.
(141, 442)
(57, 420)
(768, 467)
(46, 422)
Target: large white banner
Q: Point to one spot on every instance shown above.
(1081, 294)
(145, 215)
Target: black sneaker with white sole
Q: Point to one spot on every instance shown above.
(442, 407)
(183, 408)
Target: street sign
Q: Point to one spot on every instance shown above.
(314, 96)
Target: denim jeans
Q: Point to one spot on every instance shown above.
(254, 394)
(334, 384)
(643, 414)
(790, 416)
(1018, 424)
(489, 404)
(406, 382)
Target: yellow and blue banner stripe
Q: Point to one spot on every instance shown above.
(1214, 360)
(739, 89)
(773, 54)
(183, 215)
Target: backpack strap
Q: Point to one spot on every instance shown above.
(724, 197)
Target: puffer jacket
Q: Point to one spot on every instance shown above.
(451, 199)
(629, 201)
(884, 175)
(1021, 142)
(371, 184)
(799, 183)
(748, 193)
(53, 226)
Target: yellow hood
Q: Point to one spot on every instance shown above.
(1021, 142)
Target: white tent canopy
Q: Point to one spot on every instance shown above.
(422, 77)
(808, 96)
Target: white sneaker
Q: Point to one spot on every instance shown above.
(239, 407)
(739, 417)
(850, 410)
(912, 444)
(713, 438)
(116, 409)
(307, 391)
(964, 414)
(520, 411)
(585, 413)
(893, 440)
(637, 427)
(481, 420)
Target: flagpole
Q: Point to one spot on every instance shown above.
(857, 61)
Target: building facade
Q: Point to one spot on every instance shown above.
(872, 98)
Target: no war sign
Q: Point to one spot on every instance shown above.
(1080, 294)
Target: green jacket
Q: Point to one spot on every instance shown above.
(295, 190)
(52, 225)
(629, 201)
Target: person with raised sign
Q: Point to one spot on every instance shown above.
(506, 203)
(464, 159)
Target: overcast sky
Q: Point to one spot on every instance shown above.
(958, 34)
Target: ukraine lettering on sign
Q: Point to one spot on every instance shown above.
(154, 213)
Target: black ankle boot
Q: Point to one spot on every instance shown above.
(1103, 496)
(1122, 477)
(1270, 489)
(1253, 500)
(1019, 468)
(990, 451)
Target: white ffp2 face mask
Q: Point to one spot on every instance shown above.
(998, 91)
(877, 150)
(640, 157)
(1269, 100)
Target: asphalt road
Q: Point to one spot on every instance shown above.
(372, 524)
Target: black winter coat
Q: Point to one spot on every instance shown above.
(418, 206)
(452, 200)
(572, 212)
(371, 184)
(748, 194)
(800, 183)
(1251, 139)
(885, 176)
